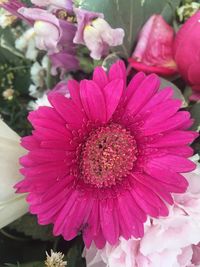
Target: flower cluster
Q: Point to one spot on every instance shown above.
(175, 238)
(58, 27)
(108, 157)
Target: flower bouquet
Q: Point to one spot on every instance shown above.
(99, 142)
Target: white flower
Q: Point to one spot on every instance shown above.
(38, 72)
(6, 18)
(26, 44)
(12, 206)
(55, 260)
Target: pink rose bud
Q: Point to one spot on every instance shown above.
(187, 52)
(153, 52)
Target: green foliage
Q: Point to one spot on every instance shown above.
(129, 15)
(29, 226)
(195, 113)
(14, 75)
(177, 92)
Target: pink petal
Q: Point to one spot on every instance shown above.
(100, 77)
(93, 101)
(143, 94)
(112, 93)
(148, 200)
(59, 144)
(134, 84)
(67, 109)
(73, 87)
(158, 98)
(77, 218)
(30, 143)
(153, 184)
(174, 163)
(162, 112)
(117, 71)
(128, 219)
(99, 240)
(166, 175)
(62, 216)
(109, 221)
(177, 121)
(174, 138)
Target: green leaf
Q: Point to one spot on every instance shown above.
(177, 92)
(109, 61)
(129, 15)
(29, 264)
(29, 226)
(195, 113)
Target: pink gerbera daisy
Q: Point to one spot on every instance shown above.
(108, 156)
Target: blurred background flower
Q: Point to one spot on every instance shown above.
(154, 49)
(12, 206)
(187, 53)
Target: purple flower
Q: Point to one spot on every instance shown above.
(66, 4)
(51, 32)
(12, 7)
(96, 33)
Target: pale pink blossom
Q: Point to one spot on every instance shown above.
(96, 33)
(65, 4)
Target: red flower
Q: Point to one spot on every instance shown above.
(153, 52)
(187, 52)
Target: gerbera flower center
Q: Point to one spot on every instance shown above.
(108, 156)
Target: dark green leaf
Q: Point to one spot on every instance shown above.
(177, 91)
(195, 113)
(29, 226)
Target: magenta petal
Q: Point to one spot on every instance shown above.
(149, 201)
(158, 98)
(174, 138)
(127, 218)
(100, 77)
(46, 113)
(166, 175)
(30, 143)
(143, 94)
(175, 163)
(43, 133)
(67, 109)
(153, 184)
(77, 218)
(184, 151)
(93, 101)
(117, 71)
(167, 109)
(60, 220)
(113, 92)
(109, 221)
(62, 145)
(73, 87)
(99, 240)
(133, 84)
(176, 122)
